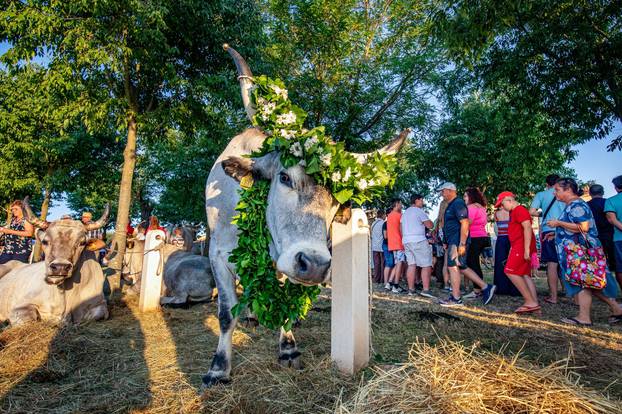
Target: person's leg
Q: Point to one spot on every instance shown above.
(521, 284)
(473, 277)
(551, 276)
(410, 276)
(532, 288)
(454, 278)
(584, 298)
(426, 276)
(445, 271)
(614, 306)
(473, 255)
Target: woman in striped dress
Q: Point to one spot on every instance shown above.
(502, 250)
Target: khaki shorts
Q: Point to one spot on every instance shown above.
(419, 253)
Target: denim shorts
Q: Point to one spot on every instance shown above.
(548, 251)
(454, 259)
(388, 257)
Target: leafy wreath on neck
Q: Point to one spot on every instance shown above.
(278, 302)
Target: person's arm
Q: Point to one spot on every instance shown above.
(571, 227)
(535, 206)
(612, 218)
(28, 231)
(428, 224)
(464, 234)
(527, 238)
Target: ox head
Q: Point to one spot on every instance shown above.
(63, 241)
(299, 211)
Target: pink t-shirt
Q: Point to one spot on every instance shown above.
(478, 218)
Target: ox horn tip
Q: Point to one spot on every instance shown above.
(225, 46)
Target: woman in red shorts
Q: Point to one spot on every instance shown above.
(523, 245)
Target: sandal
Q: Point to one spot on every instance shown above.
(528, 309)
(548, 300)
(574, 321)
(613, 319)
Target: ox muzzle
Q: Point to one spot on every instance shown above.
(57, 271)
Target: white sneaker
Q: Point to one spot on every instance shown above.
(387, 286)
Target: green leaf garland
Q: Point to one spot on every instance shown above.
(278, 303)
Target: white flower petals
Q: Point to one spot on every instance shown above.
(296, 149)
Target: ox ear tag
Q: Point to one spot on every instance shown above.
(247, 181)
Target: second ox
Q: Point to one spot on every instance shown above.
(299, 214)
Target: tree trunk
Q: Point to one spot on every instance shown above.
(44, 214)
(125, 196)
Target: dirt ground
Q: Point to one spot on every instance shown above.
(154, 362)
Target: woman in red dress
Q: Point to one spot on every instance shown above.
(522, 246)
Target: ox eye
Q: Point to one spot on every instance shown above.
(83, 243)
(285, 179)
(44, 242)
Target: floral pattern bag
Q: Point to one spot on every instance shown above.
(587, 265)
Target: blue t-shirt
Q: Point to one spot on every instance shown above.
(614, 205)
(456, 211)
(542, 200)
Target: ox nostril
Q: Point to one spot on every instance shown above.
(303, 262)
(60, 268)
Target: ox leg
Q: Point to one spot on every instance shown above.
(221, 362)
(23, 314)
(289, 356)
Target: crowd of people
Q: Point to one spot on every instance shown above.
(579, 239)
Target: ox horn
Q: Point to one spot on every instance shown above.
(31, 217)
(390, 149)
(245, 77)
(101, 221)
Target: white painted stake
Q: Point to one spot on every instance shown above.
(151, 281)
(350, 294)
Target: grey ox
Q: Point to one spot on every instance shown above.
(187, 276)
(67, 287)
(299, 214)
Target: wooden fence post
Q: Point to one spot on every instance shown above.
(151, 281)
(350, 294)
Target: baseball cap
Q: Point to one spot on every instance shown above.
(501, 196)
(447, 186)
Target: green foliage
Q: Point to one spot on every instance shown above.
(361, 69)
(564, 57)
(327, 162)
(275, 303)
(488, 144)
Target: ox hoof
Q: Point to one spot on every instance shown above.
(250, 322)
(210, 380)
(291, 361)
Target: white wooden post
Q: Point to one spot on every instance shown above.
(350, 294)
(151, 281)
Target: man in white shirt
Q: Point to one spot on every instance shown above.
(418, 251)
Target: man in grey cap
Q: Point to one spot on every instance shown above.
(456, 238)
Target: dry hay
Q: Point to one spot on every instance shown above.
(152, 363)
(450, 378)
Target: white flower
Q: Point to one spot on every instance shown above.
(336, 176)
(311, 142)
(362, 184)
(286, 119)
(347, 175)
(261, 101)
(326, 159)
(288, 133)
(296, 149)
(371, 183)
(268, 108)
(280, 91)
(264, 117)
(302, 163)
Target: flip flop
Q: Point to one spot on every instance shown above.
(574, 321)
(528, 309)
(548, 300)
(613, 319)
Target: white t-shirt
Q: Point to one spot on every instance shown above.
(376, 235)
(413, 230)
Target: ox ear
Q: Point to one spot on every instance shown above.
(94, 245)
(261, 167)
(40, 234)
(344, 213)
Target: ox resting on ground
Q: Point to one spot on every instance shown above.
(66, 287)
(299, 214)
(187, 276)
